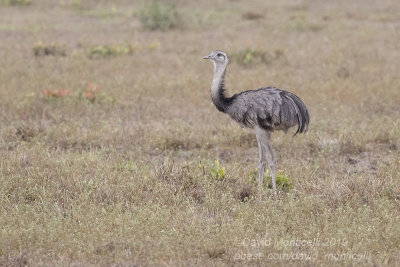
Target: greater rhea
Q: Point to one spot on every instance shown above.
(264, 110)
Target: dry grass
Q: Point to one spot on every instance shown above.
(123, 176)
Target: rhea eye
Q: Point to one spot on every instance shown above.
(219, 55)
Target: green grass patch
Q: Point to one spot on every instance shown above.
(17, 2)
(218, 172)
(248, 56)
(160, 16)
(283, 181)
(104, 51)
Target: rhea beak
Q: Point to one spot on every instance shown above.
(207, 57)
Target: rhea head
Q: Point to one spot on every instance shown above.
(218, 57)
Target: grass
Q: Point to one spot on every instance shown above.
(248, 57)
(40, 49)
(159, 16)
(113, 161)
(101, 51)
(16, 2)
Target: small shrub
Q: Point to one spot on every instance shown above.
(282, 180)
(79, 5)
(40, 50)
(17, 2)
(249, 57)
(103, 51)
(218, 171)
(159, 16)
(100, 52)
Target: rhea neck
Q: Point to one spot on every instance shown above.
(218, 87)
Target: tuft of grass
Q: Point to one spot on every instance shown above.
(104, 51)
(248, 56)
(218, 171)
(159, 16)
(283, 181)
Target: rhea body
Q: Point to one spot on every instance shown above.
(264, 110)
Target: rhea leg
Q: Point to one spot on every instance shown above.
(262, 150)
(264, 143)
(272, 161)
(262, 163)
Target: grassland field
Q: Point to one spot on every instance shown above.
(109, 138)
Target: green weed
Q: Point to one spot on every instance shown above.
(250, 57)
(218, 171)
(282, 179)
(103, 51)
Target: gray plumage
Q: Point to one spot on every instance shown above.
(265, 110)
